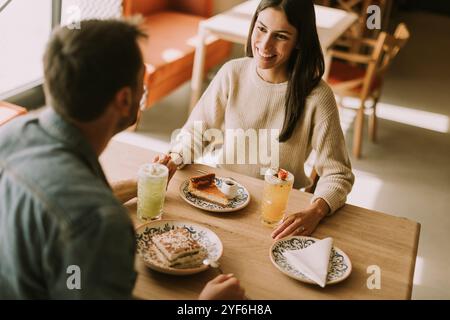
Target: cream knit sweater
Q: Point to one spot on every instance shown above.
(238, 98)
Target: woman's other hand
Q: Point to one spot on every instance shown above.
(167, 161)
(302, 223)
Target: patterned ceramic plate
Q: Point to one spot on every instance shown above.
(238, 203)
(145, 248)
(339, 269)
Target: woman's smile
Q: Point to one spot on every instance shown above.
(273, 41)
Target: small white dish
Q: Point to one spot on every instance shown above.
(229, 188)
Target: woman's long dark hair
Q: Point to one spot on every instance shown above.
(306, 64)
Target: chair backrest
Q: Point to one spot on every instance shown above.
(360, 7)
(203, 8)
(386, 49)
(394, 43)
(374, 64)
(385, 10)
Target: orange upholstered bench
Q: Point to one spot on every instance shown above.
(172, 27)
(9, 111)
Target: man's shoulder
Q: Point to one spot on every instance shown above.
(59, 181)
(12, 134)
(71, 186)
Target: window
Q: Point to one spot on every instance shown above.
(75, 10)
(25, 27)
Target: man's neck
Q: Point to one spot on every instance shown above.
(96, 133)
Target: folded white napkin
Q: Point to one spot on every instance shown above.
(313, 261)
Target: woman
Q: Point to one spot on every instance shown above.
(278, 86)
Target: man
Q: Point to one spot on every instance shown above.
(57, 210)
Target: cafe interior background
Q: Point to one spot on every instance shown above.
(405, 173)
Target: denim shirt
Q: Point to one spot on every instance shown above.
(63, 234)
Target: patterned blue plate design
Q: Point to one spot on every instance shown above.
(238, 203)
(145, 248)
(340, 266)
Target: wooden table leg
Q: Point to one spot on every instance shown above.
(198, 69)
(358, 132)
(327, 57)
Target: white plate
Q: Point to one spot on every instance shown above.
(238, 203)
(206, 238)
(339, 269)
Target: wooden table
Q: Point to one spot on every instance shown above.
(368, 237)
(234, 24)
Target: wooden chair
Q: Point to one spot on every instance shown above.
(359, 28)
(361, 76)
(169, 52)
(9, 111)
(314, 176)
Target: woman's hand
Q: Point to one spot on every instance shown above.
(302, 223)
(167, 161)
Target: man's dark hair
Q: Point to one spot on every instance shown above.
(84, 68)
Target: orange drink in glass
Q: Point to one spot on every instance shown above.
(277, 186)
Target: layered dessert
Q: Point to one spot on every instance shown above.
(177, 249)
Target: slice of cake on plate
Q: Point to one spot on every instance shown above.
(177, 249)
(204, 187)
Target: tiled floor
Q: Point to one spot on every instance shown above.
(407, 173)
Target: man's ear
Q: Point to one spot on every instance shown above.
(123, 101)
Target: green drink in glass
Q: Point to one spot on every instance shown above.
(152, 184)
